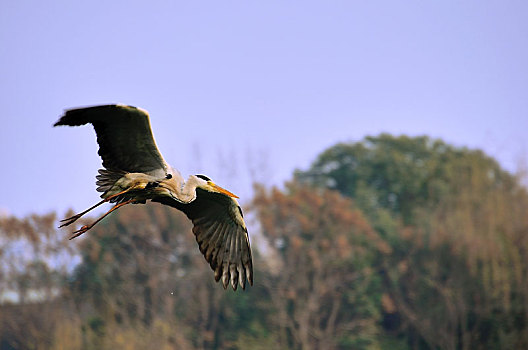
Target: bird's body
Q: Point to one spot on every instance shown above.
(135, 172)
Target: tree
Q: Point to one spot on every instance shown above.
(456, 222)
(33, 269)
(142, 274)
(321, 280)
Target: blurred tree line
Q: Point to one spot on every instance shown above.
(387, 243)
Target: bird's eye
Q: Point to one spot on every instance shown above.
(169, 176)
(203, 177)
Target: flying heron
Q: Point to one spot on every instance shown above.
(135, 172)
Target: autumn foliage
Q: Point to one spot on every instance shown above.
(387, 243)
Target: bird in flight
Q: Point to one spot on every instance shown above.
(135, 172)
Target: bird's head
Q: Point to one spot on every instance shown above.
(207, 184)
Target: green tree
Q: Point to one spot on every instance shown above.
(457, 225)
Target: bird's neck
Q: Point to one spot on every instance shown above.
(183, 192)
(188, 190)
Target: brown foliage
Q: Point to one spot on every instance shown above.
(319, 245)
(33, 262)
(460, 278)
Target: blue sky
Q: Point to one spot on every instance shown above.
(270, 84)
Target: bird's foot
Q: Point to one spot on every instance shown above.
(70, 220)
(80, 231)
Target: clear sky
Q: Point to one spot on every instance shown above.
(268, 83)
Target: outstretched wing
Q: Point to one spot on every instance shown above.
(124, 136)
(221, 235)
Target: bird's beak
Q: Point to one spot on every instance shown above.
(222, 190)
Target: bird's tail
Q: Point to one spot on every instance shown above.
(107, 178)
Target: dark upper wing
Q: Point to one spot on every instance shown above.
(221, 235)
(124, 136)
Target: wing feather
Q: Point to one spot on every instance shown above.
(219, 245)
(225, 262)
(221, 235)
(124, 136)
(232, 262)
(212, 244)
